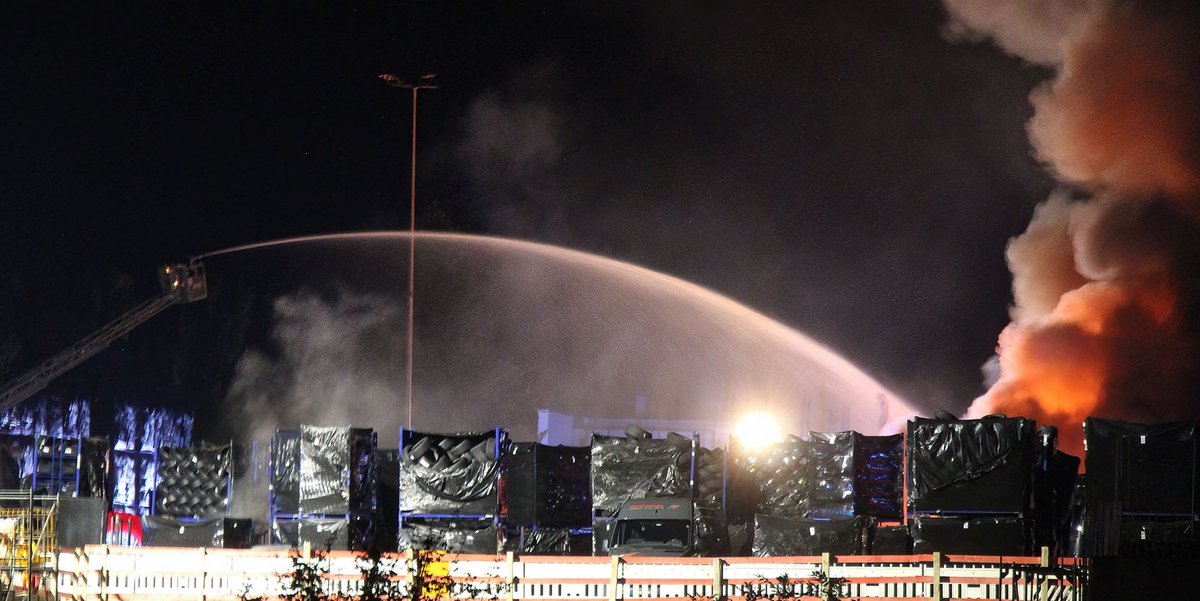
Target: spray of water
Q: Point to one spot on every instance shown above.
(505, 327)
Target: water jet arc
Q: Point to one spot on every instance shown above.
(557, 328)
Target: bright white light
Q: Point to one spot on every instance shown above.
(756, 431)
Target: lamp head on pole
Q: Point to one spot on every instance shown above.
(425, 82)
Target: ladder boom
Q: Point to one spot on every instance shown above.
(180, 283)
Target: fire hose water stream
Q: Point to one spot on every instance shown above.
(505, 327)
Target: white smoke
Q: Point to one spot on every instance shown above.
(336, 361)
(1034, 30)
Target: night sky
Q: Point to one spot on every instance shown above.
(839, 166)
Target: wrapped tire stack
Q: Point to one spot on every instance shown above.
(1148, 474)
(450, 482)
(710, 476)
(545, 495)
(832, 491)
(997, 535)
(783, 537)
(775, 481)
(971, 484)
(323, 487)
(191, 497)
(1054, 479)
(140, 433)
(193, 482)
(879, 476)
(633, 467)
(768, 483)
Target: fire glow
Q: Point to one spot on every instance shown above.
(1106, 315)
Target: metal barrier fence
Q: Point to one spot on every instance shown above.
(103, 572)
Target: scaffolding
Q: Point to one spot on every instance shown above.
(28, 545)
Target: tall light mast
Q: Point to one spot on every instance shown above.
(425, 82)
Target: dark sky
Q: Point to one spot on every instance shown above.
(839, 166)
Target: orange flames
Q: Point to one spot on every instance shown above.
(1106, 315)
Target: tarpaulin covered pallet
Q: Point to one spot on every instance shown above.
(547, 486)
(323, 486)
(193, 482)
(772, 481)
(782, 537)
(831, 491)
(455, 536)
(971, 536)
(980, 465)
(450, 474)
(632, 468)
(1147, 468)
(879, 475)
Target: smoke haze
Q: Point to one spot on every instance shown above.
(333, 361)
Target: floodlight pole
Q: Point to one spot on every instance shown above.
(424, 83)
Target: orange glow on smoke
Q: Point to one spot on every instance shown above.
(1087, 358)
(1106, 318)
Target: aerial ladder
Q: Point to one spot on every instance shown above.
(181, 283)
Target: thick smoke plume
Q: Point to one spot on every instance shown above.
(1106, 279)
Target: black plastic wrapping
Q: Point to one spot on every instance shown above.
(774, 481)
(23, 462)
(1054, 485)
(387, 470)
(776, 536)
(891, 540)
(94, 481)
(878, 475)
(970, 536)
(983, 465)
(464, 536)
(741, 538)
(125, 420)
(364, 476)
(547, 486)
(324, 470)
(450, 474)
(335, 533)
(285, 471)
(546, 541)
(632, 468)
(832, 491)
(163, 427)
(710, 476)
(164, 531)
(564, 495)
(519, 495)
(1173, 539)
(1147, 468)
(193, 482)
(1095, 529)
(286, 532)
